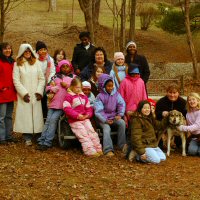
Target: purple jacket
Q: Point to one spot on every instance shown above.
(107, 106)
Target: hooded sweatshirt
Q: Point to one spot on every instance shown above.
(107, 106)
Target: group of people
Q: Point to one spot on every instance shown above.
(92, 92)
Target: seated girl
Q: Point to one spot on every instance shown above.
(86, 88)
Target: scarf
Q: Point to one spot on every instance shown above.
(48, 70)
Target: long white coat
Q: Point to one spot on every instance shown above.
(28, 79)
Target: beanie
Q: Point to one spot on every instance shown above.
(133, 68)
(118, 55)
(40, 45)
(65, 62)
(86, 84)
(131, 43)
(152, 102)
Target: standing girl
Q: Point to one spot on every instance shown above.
(29, 82)
(62, 81)
(59, 55)
(78, 111)
(7, 93)
(193, 121)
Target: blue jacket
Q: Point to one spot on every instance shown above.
(107, 106)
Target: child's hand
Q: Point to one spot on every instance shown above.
(165, 113)
(143, 156)
(63, 84)
(54, 89)
(109, 121)
(130, 113)
(118, 117)
(86, 116)
(81, 117)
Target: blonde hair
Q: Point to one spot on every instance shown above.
(74, 83)
(31, 60)
(115, 69)
(196, 96)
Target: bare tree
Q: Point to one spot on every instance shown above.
(52, 5)
(132, 19)
(123, 25)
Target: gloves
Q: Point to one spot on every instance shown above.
(54, 89)
(38, 96)
(26, 98)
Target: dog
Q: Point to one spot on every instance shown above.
(176, 119)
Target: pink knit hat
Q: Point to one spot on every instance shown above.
(118, 55)
(65, 62)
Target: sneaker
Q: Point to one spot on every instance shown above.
(14, 140)
(42, 147)
(95, 155)
(28, 143)
(132, 156)
(110, 154)
(100, 153)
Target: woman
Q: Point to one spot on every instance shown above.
(99, 58)
(133, 57)
(29, 82)
(7, 93)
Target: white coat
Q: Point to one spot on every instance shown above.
(28, 79)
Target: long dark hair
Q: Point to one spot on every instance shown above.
(57, 51)
(140, 106)
(2, 56)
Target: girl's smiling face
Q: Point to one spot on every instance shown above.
(193, 102)
(65, 69)
(146, 109)
(120, 61)
(60, 56)
(98, 72)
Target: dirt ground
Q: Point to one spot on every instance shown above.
(69, 175)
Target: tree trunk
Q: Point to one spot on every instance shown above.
(132, 19)
(52, 6)
(95, 12)
(123, 25)
(190, 42)
(2, 25)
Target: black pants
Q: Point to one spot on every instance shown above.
(44, 106)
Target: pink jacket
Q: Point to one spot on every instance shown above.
(75, 104)
(132, 89)
(193, 121)
(60, 92)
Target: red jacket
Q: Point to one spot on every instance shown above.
(7, 89)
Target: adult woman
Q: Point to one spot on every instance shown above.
(99, 58)
(7, 93)
(29, 82)
(133, 57)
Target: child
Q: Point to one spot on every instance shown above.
(143, 134)
(82, 52)
(86, 88)
(193, 121)
(62, 81)
(153, 106)
(119, 70)
(78, 111)
(59, 55)
(132, 89)
(97, 72)
(109, 109)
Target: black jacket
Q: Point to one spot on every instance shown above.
(164, 104)
(81, 57)
(143, 66)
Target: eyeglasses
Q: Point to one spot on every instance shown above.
(27, 51)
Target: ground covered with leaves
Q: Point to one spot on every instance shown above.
(57, 174)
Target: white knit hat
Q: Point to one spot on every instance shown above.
(86, 84)
(131, 43)
(118, 55)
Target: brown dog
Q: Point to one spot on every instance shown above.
(176, 119)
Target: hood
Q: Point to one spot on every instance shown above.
(23, 48)
(65, 62)
(102, 80)
(132, 78)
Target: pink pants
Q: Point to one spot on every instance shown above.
(86, 135)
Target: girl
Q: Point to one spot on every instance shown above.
(119, 70)
(193, 121)
(109, 109)
(59, 55)
(98, 71)
(7, 93)
(143, 134)
(86, 88)
(48, 69)
(29, 82)
(78, 111)
(62, 81)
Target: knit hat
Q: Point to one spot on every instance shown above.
(40, 45)
(131, 43)
(133, 68)
(86, 84)
(152, 102)
(118, 55)
(64, 62)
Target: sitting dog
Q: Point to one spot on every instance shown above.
(176, 119)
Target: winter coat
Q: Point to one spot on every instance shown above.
(143, 132)
(193, 123)
(91, 98)
(107, 106)
(28, 79)
(75, 104)
(132, 90)
(7, 89)
(81, 56)
(121, 74)
(57, 101)
(88, 70)
(164, 104)
(143, 65)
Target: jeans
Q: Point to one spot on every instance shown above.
(155, 155)
(50, 126)
(107, 141)
(194, 148)
(6, 110)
